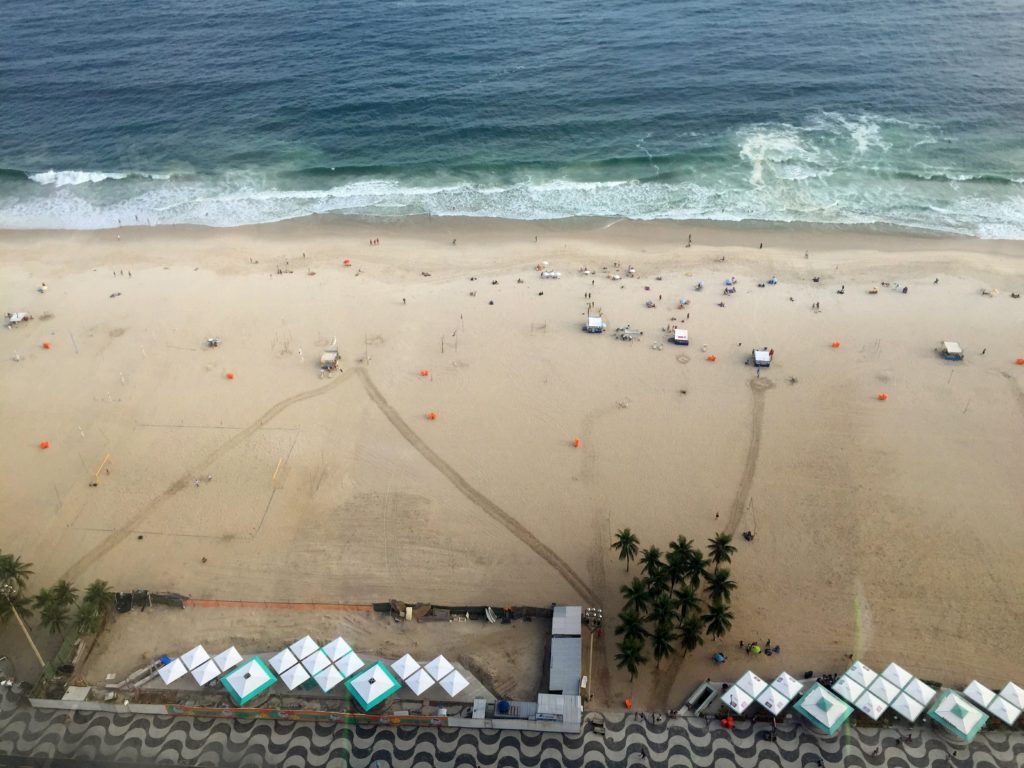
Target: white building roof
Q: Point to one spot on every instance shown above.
(567, 620)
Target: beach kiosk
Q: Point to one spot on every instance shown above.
(681, 337)
(762, 358)
(950, 350)
(330, 359)
(595, 324)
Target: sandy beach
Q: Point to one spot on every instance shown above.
(889, 530)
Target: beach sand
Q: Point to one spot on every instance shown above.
(888, 530)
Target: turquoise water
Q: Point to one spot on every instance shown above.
(873, 113)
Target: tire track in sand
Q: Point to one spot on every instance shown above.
(487, 506)
(132, 524)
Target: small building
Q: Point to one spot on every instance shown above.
(567, 708)
(762, 358)
(681, 336)
(950, 350)
(566, 621)
(595, 324)
(330, 360)
(566, 664)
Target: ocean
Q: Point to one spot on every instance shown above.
(903, 113)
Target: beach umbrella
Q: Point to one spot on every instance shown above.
(195, 658)
(787, 685)
(823, 709)
(919, 691)
(848, 689)
(870, 705)
(438, 667)
(227, 659)
(883, 689)
(454, 682)
(304, 647)
(349, 664)
(1004, 710)
(772, 700)
(371, 686)
(328, 677)
(405, 666)
(957, 715)
(737, 700)
(171, 672)
(861, 674)
(316, 661)
(283, 661)
(897, 675)
(419, 681)
(337, 648)
(979, 694)
(248, 680)
(907, 706)
(206, 673)
(752, 684)
(295, 676)
(1014, 694)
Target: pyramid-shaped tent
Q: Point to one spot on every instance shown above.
(823, 709)
(979, 694)
(316, 661)
(195, 658)
(283, 660)
(349, 664)
(772, 700)
(957, 715)
(848, 689)
(1004, 710)
(454, 683)
(328, 678)
(171, 672)
(787, 685)
(303, 647)
(897, 675)
(337, 648)
(371, 686)
(920, 692)
(737, 699)
(405, 666)
(248, 680)
(295, 676)
(419, 681)
(870, 705)
(751, 684)
(883, 689)
(439, 667)
(227, 659)
(907, 706)
(206, 673)
(861, 674)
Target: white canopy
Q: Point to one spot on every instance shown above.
(1004, 710)
(173, 671)
(316, 661)
(883, 689)
(919, 691)
(772, 700)
(206, 673)
(870, 705)
(454, 683)
(959, 713)
(419, 681)
(761, 357)
(337, 648)
(405, 666)
(247, 679)
(737, 700)
(349, 664)
(438, 668)
(787, 685)
(979, 694)
(1014, 694)
(295, 676)
(827, 709)
(283, 661)
(682, 335)
(303, 647)
(907, 706)
(195, 658)
(228, 659)
(848, 689)
(897, 675)
(861, 674)
(751, 684)
(328, 677)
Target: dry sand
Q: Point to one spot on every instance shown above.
(890, 530)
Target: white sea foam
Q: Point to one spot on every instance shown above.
(66, 178)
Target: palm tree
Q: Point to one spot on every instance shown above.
(661, 642)
(12, 569)
(696, 567)
(100, 595)
(720, 548)
(630, 656)
(663, 609)
(678, 555)
(635, 594)
(65, 594)
(627, 545)
(44, 598)
(718, 619)
(54, 617)
(687, 601)
(691, 634)
(650, 562)
(89, 619)
(720, 586)
(631, 626)
(19, 603)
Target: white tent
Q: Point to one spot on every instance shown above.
(316, 661)
(919, 691)
(848, 689)
(979, 694)
(248, 680)
(195, 658)
(173, 671)
(454, 683)
(349, 664)
(227, 659)
(438, 668)
(1004, 710)
(282, 661)
(737, 700)
(870, 705)
(419, 681)
(787, 685)
(295, 676)
(897, 675)
(328, 677)
(883, 689)
(303, 647)
(861, 674)
(1014, 694)
(958, 715)
(772, 700)
(337, 648)
(206, 673)
(908, 706)
(751, 684)
(405, 666)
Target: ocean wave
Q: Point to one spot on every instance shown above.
(73, 178)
